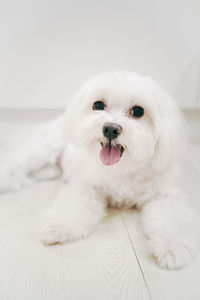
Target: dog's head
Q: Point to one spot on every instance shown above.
(125, 119)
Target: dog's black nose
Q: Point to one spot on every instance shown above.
(111, 130)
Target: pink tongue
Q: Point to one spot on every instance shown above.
(110, 155)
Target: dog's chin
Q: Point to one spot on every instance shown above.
(110, 153)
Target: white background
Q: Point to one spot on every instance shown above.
(48, 48)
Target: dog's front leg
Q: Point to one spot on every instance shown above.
(170, 227)
(74, 215)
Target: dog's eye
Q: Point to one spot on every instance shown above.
(137, 111)
(98, 105)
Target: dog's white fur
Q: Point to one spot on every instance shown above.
(145, 175)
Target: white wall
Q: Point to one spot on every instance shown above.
(48, 47)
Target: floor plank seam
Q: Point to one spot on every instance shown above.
(132, 245)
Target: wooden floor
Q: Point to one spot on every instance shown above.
(112, 264)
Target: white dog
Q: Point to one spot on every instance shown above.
(118, 144)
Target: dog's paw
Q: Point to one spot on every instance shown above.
(13, 180)
(58, 234)
(169, 254)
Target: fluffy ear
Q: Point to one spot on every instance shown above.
(170, 131)
(73, 114)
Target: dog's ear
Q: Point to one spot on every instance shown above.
(169, 131)
(73, 113)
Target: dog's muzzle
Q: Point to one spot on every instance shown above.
(111, 152)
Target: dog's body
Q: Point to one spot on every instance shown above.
(118, 144)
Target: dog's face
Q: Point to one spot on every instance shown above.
(125, 119)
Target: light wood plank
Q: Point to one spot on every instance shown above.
(101, 267)
(163, 284)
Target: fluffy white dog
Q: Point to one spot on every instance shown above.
(118, 144)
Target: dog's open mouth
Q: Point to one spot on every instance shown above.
(110, 154)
